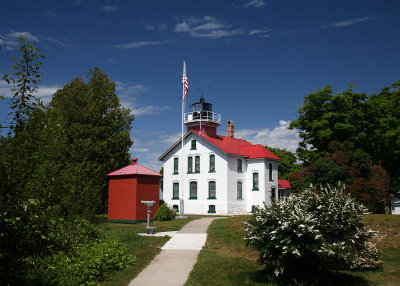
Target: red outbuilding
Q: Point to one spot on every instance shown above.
(127, 187)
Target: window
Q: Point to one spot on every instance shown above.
(255, 181)
(175, 191)
(270, 172)
(273, 194)
(176, 165)
(190, 164)
(280, 194)
(212, 163)
(254, 208)
(193, 145)
(193, 190)
(176, 208)
(197, 164)
(239, 190)
(239, 166)
(211, 209)
(212, 190)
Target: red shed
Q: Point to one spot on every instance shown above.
(127, 187)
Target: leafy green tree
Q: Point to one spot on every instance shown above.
(24, 78)
(288, 163)
(93, 129)
(372, 123)
(382, 131)
(24, 219)
(52, 169)
(325, 117)
(366, 182)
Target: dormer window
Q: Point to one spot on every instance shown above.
(193, 145)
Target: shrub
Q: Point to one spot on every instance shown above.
(86, 264)
(312, 231)
(37, 247)
(164, 213)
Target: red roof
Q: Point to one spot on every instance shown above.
(134, 169)
(284, 184)
(233, 146)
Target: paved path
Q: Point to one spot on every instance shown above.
(171, 267)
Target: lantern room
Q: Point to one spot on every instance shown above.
(202, 118)
(127, 187)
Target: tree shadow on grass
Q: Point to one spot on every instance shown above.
(326, 278)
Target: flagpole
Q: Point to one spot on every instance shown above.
(181, 209)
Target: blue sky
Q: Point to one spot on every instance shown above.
(254, 59)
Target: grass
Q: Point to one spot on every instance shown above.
(144, 249)
(226, 261)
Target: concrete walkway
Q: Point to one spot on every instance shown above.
(171, 267)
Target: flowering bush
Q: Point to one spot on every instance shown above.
(311, 231)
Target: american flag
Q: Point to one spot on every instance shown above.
(185, 82)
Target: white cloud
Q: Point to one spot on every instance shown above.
(264, 32)
(11, 38)
(127, 89)
(44, 92)
(161, 27)
(109, 8)
(127, 94)
(56, 41)
(254, 4)
(280, 136)
(346, 23)
(137, 45)
(206, 27)
(148, 146)
(139, 110)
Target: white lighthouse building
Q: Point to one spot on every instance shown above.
(218, 174)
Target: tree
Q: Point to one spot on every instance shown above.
(382, 131)
(326, 117)
(24, 220)
(53, 164)
(25, 78)
(372, 123)
(288, 163)
(93, 129)
(366, 182)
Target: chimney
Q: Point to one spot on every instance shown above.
(231, 129)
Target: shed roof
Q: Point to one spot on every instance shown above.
(232, 146)
(134, 169)
(284, 184)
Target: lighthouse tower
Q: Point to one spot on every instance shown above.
(202, 119)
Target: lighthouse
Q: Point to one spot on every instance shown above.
(210, 173)
(202, 119)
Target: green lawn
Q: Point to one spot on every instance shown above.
(226, 261)
(144, 249)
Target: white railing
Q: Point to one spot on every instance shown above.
(202, 116)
